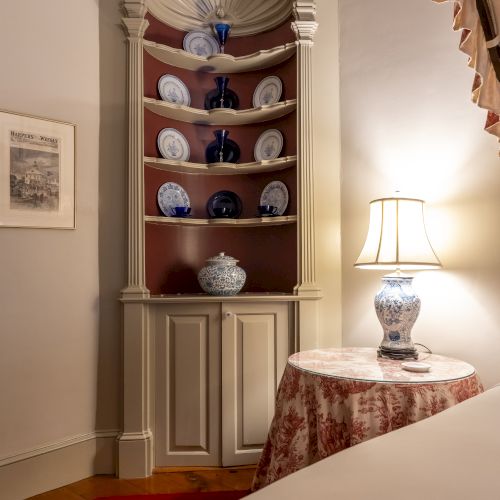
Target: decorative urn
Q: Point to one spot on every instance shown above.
(221, 276)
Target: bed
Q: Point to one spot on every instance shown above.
(452, 455)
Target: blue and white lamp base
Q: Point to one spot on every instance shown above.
(397, 306)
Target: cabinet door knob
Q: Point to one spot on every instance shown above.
(228, 314)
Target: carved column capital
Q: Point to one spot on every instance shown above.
(135, 8)
(134, 23)
(305, 24)
(135, 27)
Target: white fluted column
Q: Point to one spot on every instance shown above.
(135, 25)
(306, 311)
(305, 26)
(135, 443)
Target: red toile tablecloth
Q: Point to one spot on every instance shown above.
(331, 399)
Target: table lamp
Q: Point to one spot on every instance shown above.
(397, 240)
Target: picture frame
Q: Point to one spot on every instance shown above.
(37, 172)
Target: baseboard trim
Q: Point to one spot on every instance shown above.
(47, 448)
(51, 466)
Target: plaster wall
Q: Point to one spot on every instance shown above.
(408, 124)
(326, 129)
(50, 289)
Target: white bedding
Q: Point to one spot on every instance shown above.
(453, 455)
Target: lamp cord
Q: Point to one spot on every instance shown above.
(428, 351)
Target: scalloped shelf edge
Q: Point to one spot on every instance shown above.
(220, 63)
(219, 116)
(221, 168)
(255, 222)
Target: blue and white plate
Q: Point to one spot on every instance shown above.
(267, 92)
(173, 145)
(171, 195)
(268, 145)
(200, 44)
(276, 194)
(173, 89)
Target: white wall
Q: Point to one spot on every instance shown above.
(112, 210)
(49, 277)
(326, 125)
(408, 124)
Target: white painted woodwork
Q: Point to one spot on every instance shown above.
(135, 26)
(187, 385)
(247, 18)
(305, 26)
(172, 345)
(197, 298)
(220, 63)
(188, 221)
(135, 442)
(255, 348)
(220, 116)
(306, 313)
(222, 168)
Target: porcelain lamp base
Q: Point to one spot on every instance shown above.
(397, 307)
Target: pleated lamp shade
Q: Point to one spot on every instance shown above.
(396, 237)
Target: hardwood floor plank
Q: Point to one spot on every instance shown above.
(165, 483)
(60, 494)
(175, 480)
(96, 486)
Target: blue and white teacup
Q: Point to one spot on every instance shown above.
(267, 210)
(180, 211)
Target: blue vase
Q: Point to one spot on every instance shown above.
(221, 97)
(222, 149)
(222, 30)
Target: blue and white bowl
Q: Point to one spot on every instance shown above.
(221, 276)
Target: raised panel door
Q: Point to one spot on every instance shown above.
(187, 410)
(255, 348)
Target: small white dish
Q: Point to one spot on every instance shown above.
(173, 89)
(268, 145)
(267, 92)
(275, 194)
(415, 366)
(171, 195)
(200, 44)
(173, 145)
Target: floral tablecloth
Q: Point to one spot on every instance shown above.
(331, 399)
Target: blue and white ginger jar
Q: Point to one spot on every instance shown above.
(222, 276)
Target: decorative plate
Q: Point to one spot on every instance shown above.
(173, 89)
(224, 200)
(267, 92)
(172, 145)
(171, 195)
(200, 44)
(268, 145)
(276, 194)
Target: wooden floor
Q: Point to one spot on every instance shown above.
(167, 480)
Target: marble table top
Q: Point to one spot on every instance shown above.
(361, 363)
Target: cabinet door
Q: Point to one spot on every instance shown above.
(187, 413)
(255, 348)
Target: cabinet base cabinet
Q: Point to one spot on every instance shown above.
(217, 369)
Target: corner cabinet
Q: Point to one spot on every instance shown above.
(201, 372)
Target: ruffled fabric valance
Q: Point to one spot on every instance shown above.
(479, 21)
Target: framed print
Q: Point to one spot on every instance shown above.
(37, 172)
